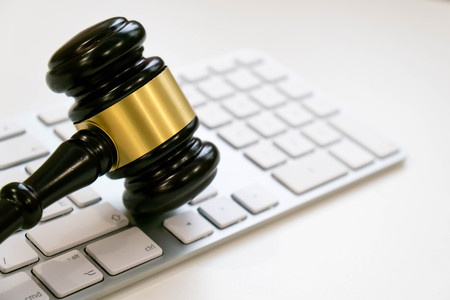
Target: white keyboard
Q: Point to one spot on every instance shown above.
(282, 143)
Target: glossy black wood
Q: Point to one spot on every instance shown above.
(99, 67)
(76, 163)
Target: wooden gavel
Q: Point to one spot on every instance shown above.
(133, 122)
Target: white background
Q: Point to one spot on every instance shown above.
(387, 237)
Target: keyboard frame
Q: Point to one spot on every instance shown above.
(174, 251)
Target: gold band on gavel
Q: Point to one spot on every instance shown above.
(145, 119)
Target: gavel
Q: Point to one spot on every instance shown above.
(133, 122)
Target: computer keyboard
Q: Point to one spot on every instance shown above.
(283, 144)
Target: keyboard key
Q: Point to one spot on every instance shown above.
(188, 227)
(241, 106)
(243, 79)
(54, 115)
(295, 89)
(10, 129)
(75, 229)
(294, 144)
(67, 273)
(255, 199)
(309, 172)
(16, 174)
(216, 88)
(320, 106)
(268, 96)
(267, 124)
(212, 115)
(321, 133)
(32, 166)
(57, 209)
(19, 150)
(363, 135)
(124, 250)
(351, 154)
(223, 212)
(15, 253)
(265, 155)
(248, 58)
(293, 114)
(195, 74)
(193, 95)
(238, 135)
(222, 65)
(65, 130)
(209, 192)
(21, 286)
(269, 72)
(84, 197)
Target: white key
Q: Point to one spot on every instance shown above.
(84, 197)
(74, 229)
(65, 130)
(265, 155)
(267, 124)
(268, 96)
(193, 95)
(57, 209)
(248, 58)
(53, 115)
(222, 211)
(67, 273)
(209, 192)
(238, 135)
(293, 114)
(124, 250)
(10, 129)
(351, 154)
(212, 115)
(216, 88)
(294, 144)
(321, 133)
(222, 65)
(32, 166)
(269, 72)
(255, 199)
(309, 172)
(241, 106)
(16, 174)
(321, 106)
(188, 227)
(194, 74)
(15, 253)
(242, 79)
(363, 135)
(295, 89)
(19, 150)
(21, 286)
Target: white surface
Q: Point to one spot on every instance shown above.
(387, 237)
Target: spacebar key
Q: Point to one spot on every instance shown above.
(72, 230)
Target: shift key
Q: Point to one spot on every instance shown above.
(72, 230)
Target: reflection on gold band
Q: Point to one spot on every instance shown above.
(145, 119)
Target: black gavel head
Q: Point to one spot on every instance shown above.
(137, 103)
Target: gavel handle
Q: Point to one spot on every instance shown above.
(76, 163)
